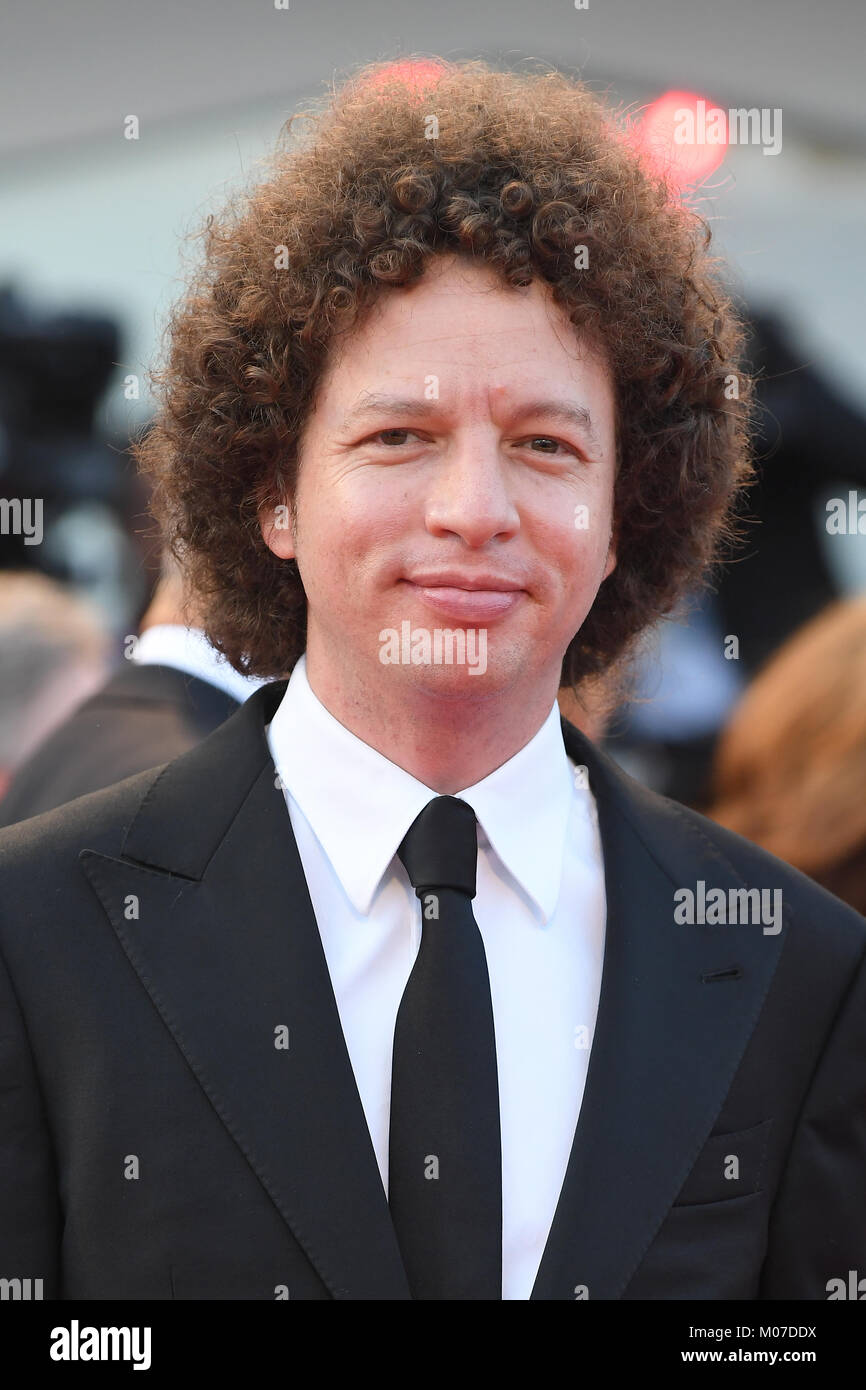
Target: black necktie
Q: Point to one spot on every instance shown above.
(445, 1159)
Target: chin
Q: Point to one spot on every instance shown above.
(460, 683)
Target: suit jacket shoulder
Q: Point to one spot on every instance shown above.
(46, 846)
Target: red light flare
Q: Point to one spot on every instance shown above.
(681, 138)
(419, 76)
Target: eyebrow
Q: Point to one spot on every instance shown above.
(375, 403)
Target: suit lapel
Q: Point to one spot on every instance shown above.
(667, 1041)
(210, 903)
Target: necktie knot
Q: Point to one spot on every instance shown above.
(440, 848)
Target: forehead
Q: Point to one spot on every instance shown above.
(463, 324)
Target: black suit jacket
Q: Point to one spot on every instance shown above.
(156, 1144)
(142, 716)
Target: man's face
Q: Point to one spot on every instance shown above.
(468, 500)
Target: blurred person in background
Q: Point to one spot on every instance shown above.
(790, 769)
(54, 651)
(173, 690)
(56, 367)
(807, 440)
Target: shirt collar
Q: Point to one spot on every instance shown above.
(187, 649)
(522, 807)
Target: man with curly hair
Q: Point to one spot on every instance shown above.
(396, 986)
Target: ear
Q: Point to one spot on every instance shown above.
(277, 525)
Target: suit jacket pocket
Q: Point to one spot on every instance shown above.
(729, 1165)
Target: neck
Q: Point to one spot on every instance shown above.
(448, 742)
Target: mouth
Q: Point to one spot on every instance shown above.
(470, 598)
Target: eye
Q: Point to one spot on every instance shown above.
(557, 443)
(398, 443)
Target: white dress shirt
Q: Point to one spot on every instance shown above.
(540, 908)
(187, 649)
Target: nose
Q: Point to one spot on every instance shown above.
(472, 492)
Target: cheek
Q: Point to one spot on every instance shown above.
(579, 550)
(349, 543)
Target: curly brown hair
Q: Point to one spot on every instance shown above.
(524, 167)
